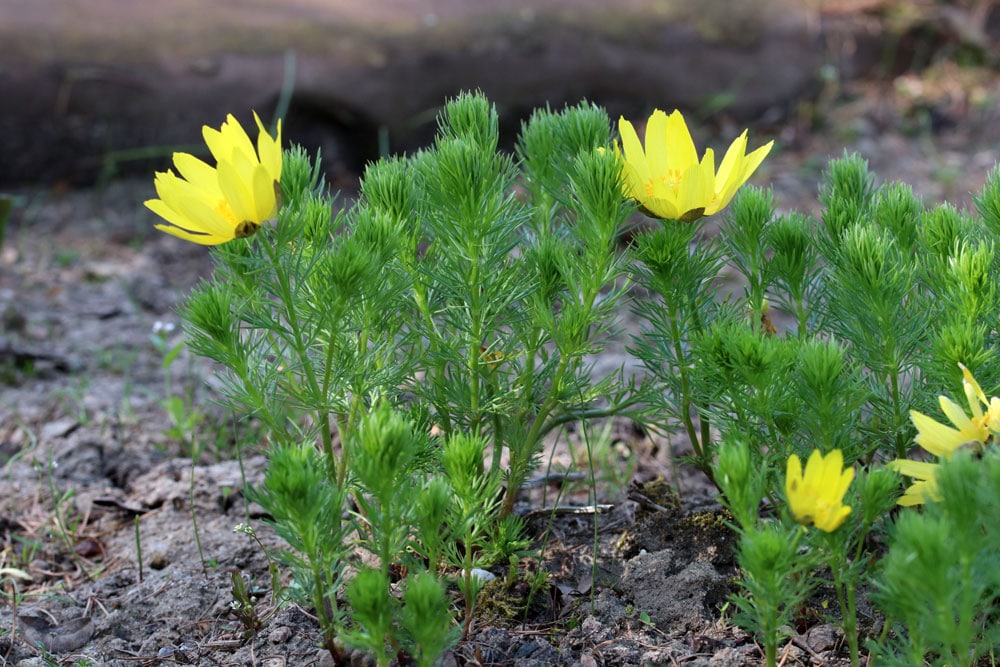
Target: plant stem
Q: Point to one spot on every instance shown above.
(194, 514)
(845, 595)
(686, 402)
(302, 352)
(538, 427)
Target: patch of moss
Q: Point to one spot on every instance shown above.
(515, 598)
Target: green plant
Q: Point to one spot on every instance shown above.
(439, 302)
(938, 583)
(245, 607)
(888, 300)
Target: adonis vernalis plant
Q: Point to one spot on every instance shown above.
(415, 348)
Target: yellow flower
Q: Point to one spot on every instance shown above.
(211, 205)
(924, 488)
(816, 497)
(667, 178)
(942, 441)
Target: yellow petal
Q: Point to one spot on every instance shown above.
(238, 139)
(263, 195)
(658, 147)
(237, 192)
(200, 239)
(793, 476)
(834, 475)
(186, 206)
(914, 495)
(708, 170)
(737, 168)
(969, 429)
(682, 152)
(973, 393)
(732, 163)
(992, 420)
(269, 149)
(919, 493)
(921, 470)
(754, 159)
(634, 186)
(936, 438)
(694, 191)
(845, 482)
(195, 171)
(632, 148)
(665, 209)
(814, 470)
(833, 518)
(230, 139)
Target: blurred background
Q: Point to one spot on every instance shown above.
(91, 90)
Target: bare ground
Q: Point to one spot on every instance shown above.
(92, 477)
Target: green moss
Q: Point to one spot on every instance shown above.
(512, 598)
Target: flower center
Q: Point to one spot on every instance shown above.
(246, 228)
(672, 179)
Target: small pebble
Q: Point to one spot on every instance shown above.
(483, 575)
(821, 638)
(590, 625)
(280, 634)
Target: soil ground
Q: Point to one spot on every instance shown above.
(91, 471)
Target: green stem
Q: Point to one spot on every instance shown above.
(326, 611)
(353, 412)
(802, 316)
(538, 427)
(527, 382)
(302, 352)
(965, 634)
(194, 514)
(845, 596)
(686, 402)
(851, 624)
(588, 414)
(327, 378)
(433, 337)
(705, 460)
(475, 339)
(771, 653)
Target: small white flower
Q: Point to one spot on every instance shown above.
(162, 327)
